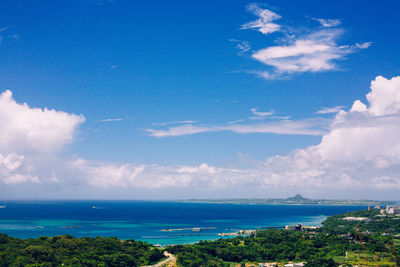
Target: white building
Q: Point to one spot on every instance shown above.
(300, 264)
(393, 209)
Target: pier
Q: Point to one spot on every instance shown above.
(193, 229)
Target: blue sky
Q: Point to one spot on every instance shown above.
(229, 85)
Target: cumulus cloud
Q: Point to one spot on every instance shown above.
(153, 176)
(27, 134)
(358, 154)
(362, 149)
(25, 129)
(310, 50)
(366, 132)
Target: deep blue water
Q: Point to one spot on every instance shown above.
(145, 221)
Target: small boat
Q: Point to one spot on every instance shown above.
(2, 206)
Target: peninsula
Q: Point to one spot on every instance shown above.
(295, 200)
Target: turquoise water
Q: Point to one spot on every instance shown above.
(146, 221)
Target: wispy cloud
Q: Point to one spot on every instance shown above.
(264, 23)
(242, 46)
(309, 50)
(7, 34)
(261, 113)
(235, 121)
(363, 45)
(103, 2)
(111, 120)
(173, 122)
(325, 110)
(315, 126)
(313, 53)
(328, 22)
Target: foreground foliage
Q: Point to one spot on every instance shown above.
(69, 251)
(372, 242)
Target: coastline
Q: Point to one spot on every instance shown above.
(145, 221)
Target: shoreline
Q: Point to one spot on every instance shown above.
(156, 223)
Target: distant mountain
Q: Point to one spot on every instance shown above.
(297, 198)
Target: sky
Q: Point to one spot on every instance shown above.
(118, 99)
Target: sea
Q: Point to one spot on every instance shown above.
(155, 222)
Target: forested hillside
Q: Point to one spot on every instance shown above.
(70, 251)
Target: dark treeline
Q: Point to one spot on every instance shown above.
(69, 251)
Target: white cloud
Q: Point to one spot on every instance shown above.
(328, 22)
(310, 50)
(26, 129)
(301, 127)
(264, 23)
(111, 119)
(260, 113)
(363, 45)
(12, 161)
(326, 110)
(29, 134)
(20, 178)
(242, 46)
(359, 156)
(153, 176)
(173, 122)
(384, 97)
(361, 151)
(366, 132)
(235, 121)
(312, 53)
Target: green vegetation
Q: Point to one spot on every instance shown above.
(69, 251)
(363, 238)
(372, 242)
